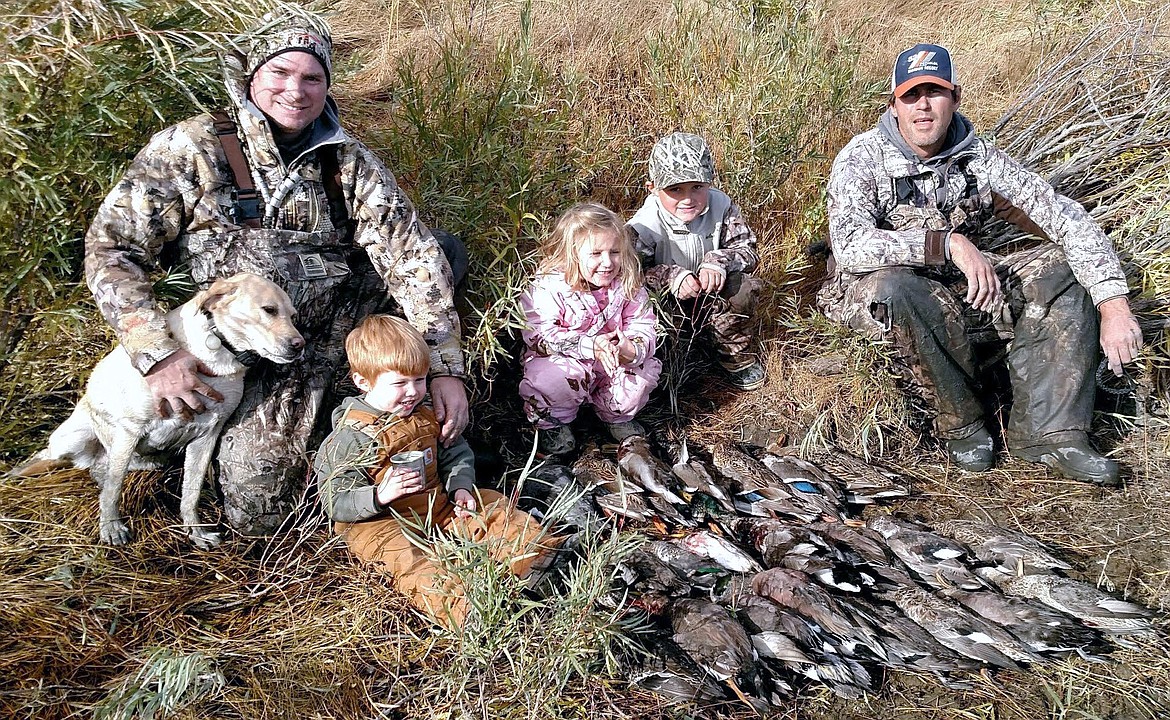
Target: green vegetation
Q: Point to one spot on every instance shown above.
(495, 116)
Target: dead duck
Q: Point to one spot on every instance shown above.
(641, 572)
(1011, 552)
(701, 571)
(865, 481)
(1042, 628)
(1083, 601)
(666, 670)
(799, 592)
(937, 560)
(909, 646)
(721, 550)
(959, 629)
(594, 470)
(637, 461)
(744, 471)
(766, 621)
(715, 640)
(808, 484)
(695, 478)
(552, 494)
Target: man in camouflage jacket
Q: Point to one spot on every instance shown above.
(330, 225)
(906, 203)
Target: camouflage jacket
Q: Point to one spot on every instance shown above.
(670, 249)
(173, 207)
(887, 207)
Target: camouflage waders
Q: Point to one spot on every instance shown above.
(1047, 318)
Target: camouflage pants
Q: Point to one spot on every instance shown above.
(724, 319)
(263, 461)
(1048, 320)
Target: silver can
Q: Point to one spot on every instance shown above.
(411, 460)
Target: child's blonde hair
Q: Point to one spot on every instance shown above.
(384, 342)
(578, 225)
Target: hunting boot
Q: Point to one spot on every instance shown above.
(975, 453)
(621, 431)
(555, 441)
(1074, 458)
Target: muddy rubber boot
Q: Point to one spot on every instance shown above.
(621, 431)
(749, 377)
(975, 453)
(1074, 458)
(555, 441)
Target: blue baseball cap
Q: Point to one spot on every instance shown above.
(923, 63)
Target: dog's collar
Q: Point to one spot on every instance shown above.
(247, 358)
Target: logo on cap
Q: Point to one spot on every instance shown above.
(921, 64)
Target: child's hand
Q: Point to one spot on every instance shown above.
(464, 503)
(398, 482)
(606, 352)
(689, 288)
(624, 346)
(711, 280)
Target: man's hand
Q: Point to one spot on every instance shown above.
(1121, 336)
(464, 502)
(399, 482)
(450, 399)
(983, 291)
(711, 280)
(177, 386)
(689, 288)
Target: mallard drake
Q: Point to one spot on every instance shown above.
(1042, 628)
(701, 571)
(721, 550)
(937, 560)
(1083, 601)
(1012, 552)
(960, 630)
(809, 485)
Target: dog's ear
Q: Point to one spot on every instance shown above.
(212, 296)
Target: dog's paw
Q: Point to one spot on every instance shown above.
(114, 532)
(205, 539)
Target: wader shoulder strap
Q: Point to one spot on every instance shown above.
(246, 206)
(331, 179)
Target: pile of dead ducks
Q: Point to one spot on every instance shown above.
(760, 576)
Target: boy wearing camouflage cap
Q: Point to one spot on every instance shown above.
(695, 245)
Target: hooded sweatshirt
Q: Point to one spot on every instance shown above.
(871, 228)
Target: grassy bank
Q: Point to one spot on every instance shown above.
(495, 116)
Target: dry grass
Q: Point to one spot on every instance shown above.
(296, 629)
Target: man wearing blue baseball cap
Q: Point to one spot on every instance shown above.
(908, 202)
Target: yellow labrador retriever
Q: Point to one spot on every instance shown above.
(115, 428)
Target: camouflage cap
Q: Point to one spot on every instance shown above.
(679, 158)
(291, 28)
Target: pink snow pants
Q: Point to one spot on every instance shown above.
(555, 387)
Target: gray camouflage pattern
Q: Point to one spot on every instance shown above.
(679, 158)
(171, 209)
(289, 28)
(869, 230)
(736, 252)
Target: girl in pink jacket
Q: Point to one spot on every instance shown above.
(590, 330)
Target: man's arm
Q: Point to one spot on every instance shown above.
(859, 246)
(416, 274)
(1087, 248)
(143, 212)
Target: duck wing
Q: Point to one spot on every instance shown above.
(1012, 552)
(1042, 628)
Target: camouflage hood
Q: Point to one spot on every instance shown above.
(326, 130)
(960, 137)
